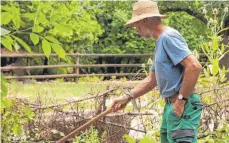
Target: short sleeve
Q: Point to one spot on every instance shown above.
(152, 69)
(176, 47)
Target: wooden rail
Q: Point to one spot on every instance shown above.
(73, 75)
(77, 65)
(7, 68)
(75, 55)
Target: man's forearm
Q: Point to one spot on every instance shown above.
(145, 86)
(190, 78)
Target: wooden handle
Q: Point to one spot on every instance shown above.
(84, 126)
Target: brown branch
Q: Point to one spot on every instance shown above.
(220, 101)
(73, 101)
(214, 89)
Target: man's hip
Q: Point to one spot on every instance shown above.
(176, 129)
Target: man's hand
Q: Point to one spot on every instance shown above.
(120, 103)
(178, 107)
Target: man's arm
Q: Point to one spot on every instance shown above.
(191, 73)
(145, 86)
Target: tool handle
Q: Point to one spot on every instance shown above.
(84, 126)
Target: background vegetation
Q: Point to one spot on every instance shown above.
(97, 27)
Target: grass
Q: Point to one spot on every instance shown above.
(56, 91)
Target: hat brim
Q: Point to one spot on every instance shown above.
(138, 18)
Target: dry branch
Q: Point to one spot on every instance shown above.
(36, 107)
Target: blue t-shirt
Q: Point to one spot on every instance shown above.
(170, 50)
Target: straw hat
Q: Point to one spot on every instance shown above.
(144, 9)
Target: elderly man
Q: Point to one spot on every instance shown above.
(174, 70)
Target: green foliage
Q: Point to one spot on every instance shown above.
(90, 79)
(215, 49)
(116, 38)
(148, 138)
(189, 26)
(221, 135)
(13, 116)
(90, 136)
(61, 23)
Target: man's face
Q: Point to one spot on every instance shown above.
(143, 30)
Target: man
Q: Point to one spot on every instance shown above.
(174, 70)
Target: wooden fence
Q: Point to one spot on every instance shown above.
(77, 66)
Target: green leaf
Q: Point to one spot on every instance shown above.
(16, 46)
(4, 89)
(28, 112)
(224, 29)
(129, 138)
(7, 44)
(215, 66)
(215, 44)
(25, 45)
(34, 37)
(58, 50)
(6, 17)
(10, 39)
(4, 31)
(37, 29)
(41, 18)
(46, 47)
(54, 17)
(16, 20)
(52, 39)
(30, 16)
(17, 129)
(147, 140)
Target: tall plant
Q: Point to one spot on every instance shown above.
(214, 48)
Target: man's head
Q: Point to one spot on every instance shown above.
(146, 27)
(146, 18)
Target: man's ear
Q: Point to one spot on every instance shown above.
(144, 21)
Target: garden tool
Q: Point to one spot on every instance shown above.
(84, 126)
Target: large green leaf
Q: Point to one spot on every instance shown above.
(46, 47)
(6, 17)
(58, 50)
(7, 44)
(52, 39)
(9, 38)
(34, 37)
(215, 44)
(215, 66)
(16, 20)
(41, 18)
(38, 29)
(25, 45)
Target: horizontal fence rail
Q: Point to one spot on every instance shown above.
(77, 66)
(7, 68)
(74, 75)
(76, 55)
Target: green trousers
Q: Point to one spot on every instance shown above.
(183, 129)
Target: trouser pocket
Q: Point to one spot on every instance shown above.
(183, 135)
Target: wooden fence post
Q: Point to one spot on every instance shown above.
(77, 68)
